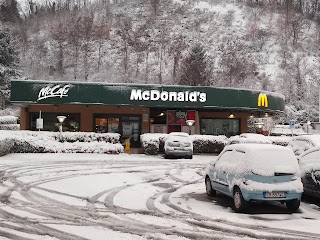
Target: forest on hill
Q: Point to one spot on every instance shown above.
(272, 45)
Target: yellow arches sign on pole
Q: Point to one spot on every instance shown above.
(263, 100)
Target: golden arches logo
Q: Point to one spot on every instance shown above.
(263, 100)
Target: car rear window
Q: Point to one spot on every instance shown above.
(268, 162)
(179, 138)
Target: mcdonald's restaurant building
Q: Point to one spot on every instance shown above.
(131, 109)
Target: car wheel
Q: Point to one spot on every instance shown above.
(239, 203)
(190, 156)
(293, 205)
(166, 156)
(210, 191)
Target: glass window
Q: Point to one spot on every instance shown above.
(224, 158)
(128, 126)
(113, 125)
(227, 127)
(50, 121)
(101, 125)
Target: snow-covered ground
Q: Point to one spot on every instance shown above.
(97, 196)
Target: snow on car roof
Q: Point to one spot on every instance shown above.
(310, 160)
(313, 149)
(266, 159)
(178, 134)
(314, 138)
(253, 135)
(254, 147)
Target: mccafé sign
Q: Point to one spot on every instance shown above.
(263, 100)
(156, 95)
(54, 91)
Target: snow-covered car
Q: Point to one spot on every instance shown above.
(309, 162)
(302, 143)
(178, 144)
(255, 172)
(249, 138)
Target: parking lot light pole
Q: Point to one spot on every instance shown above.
(308, 124)
(61, 120)
(190, 123)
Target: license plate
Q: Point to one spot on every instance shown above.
(274, 195)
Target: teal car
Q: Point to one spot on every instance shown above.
(255, 172)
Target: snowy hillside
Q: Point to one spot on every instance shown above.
(252, 44)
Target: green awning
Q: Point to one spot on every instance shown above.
(161, 96)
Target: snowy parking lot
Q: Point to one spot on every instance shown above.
(99, 196)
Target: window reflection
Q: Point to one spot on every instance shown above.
(227, 127)
(128, 126)
(50, 121)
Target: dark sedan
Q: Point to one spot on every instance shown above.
(309, 163)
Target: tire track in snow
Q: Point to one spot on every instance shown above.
(58, 212)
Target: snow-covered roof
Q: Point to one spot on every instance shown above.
(313, 138)
(265, 159)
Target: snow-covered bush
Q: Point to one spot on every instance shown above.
(208, 143)
(8, 119)
(48, 142)
(14, 127)
(5, 146)
(151, 142)
(23, 146)
(88, 137)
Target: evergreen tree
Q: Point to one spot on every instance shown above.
(194, 67)
(8, 65)
(9, 11)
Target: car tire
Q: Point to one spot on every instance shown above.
(293, 205)
(190, 157)
(166, 156)
(240, 205)
(210, 191)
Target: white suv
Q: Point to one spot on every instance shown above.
(178, 144)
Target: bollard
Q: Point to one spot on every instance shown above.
(127, 146)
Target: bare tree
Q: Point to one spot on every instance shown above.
(74, 39)
(297, 24)
(87, 28)
(125, 32)
(155, 5)
(59, 33)
(236, 63)
(177, 46)
(101, 33)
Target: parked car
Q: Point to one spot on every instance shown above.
(255, 172)
(178, 144)
(302, 143)
(249, 138)
(309, 162)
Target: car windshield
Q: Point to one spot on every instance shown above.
(268, 162)
(178, 138)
